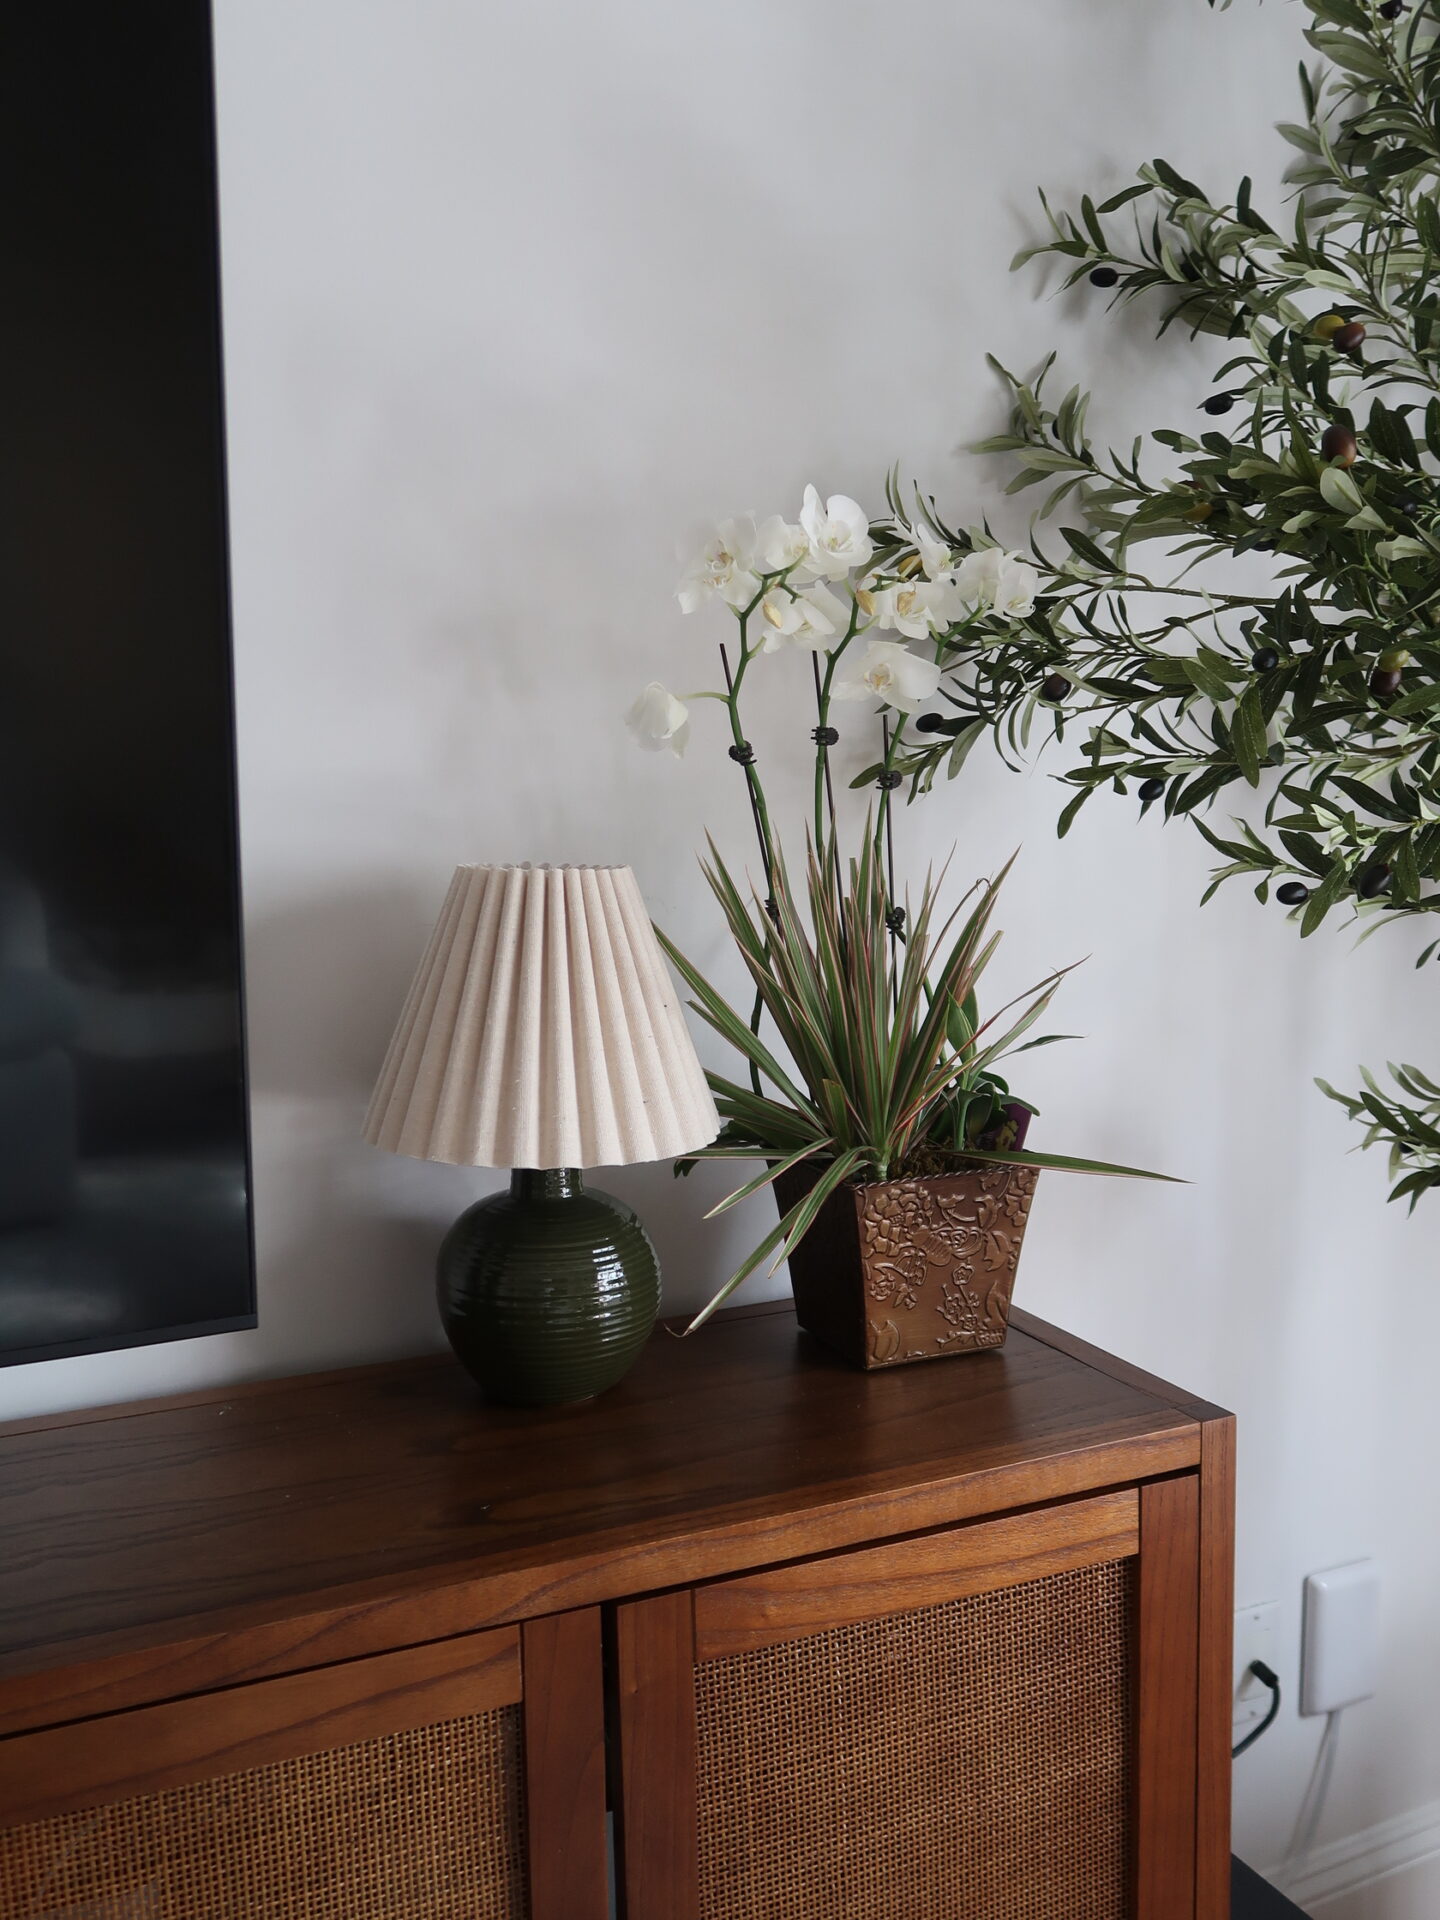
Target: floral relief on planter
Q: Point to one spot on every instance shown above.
(902, 1270)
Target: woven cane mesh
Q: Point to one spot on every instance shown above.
(961, 1762)
(424, 1825)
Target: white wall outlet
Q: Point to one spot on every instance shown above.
(1256, 1638)
(1340, 1640)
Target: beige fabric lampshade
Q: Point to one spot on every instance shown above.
(542, 1030)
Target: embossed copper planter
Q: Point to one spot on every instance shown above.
(906, 1270)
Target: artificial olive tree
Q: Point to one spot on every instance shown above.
(1316, 446)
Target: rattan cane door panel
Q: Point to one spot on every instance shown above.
(426, 1824)
(962, 1761)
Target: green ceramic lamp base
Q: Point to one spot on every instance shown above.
(547, 1292)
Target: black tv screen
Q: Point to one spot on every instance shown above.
(124, 1179)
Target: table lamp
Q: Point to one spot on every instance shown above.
(543, 1033)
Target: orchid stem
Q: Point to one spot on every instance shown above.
(885, 825)
(824, 786)
(758, 810)
(759, 813)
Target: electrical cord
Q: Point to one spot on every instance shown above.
(1267, 1678)
(1307, 1823)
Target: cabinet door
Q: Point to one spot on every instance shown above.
(992, 1722)
(460, 1780)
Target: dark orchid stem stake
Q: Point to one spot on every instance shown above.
(744, 754)
(885, 805)
(888, 780)
(824, 737)
(824, 742)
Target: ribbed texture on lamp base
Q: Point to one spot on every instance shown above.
(547, 1292)
(542, 1030)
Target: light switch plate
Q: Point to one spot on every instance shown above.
(1340, 1645)
(1256, 1638)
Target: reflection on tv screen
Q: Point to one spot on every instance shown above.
(124, 1205)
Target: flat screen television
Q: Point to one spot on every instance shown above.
(124, 1170)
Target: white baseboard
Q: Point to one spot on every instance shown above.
(1363, 1859)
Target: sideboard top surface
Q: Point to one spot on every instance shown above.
(141, 1527)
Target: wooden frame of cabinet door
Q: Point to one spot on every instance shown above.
(550, 1667)
(659, 1641)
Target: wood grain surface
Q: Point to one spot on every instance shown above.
(154, 1748)
(1166, 1676)
(1214, 1708)
(155, 1552)
(762, 1609)
(659, 1847)
(1113, 1366)
(1216, 1601)
(565, 1767)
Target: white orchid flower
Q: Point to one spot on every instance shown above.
(978, 575)
(838, 532)
(724, 568)
(781, 615)
(1015, 587)
(658, 720)
(780, 545)
(990, 577)
(826, 611)
(935, 556)
(892, 673)
(808, 618)
(917, 609)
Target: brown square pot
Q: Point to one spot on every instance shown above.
(904, 1270)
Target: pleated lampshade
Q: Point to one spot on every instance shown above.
(542, 1030)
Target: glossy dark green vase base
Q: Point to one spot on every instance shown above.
(547, 1292)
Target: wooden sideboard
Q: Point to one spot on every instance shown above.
(946, 1640)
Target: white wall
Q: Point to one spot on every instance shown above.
(516, 297)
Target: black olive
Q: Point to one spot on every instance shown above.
(927, 723)
(1373, 881)
(1264, 546)
(1264, 659)
(1338, 444)
(1104, 277)
(1151, 789)
(1390, 9)
(1384, 681)
(1293, 893)
(1054, 687)
(1219, 403)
